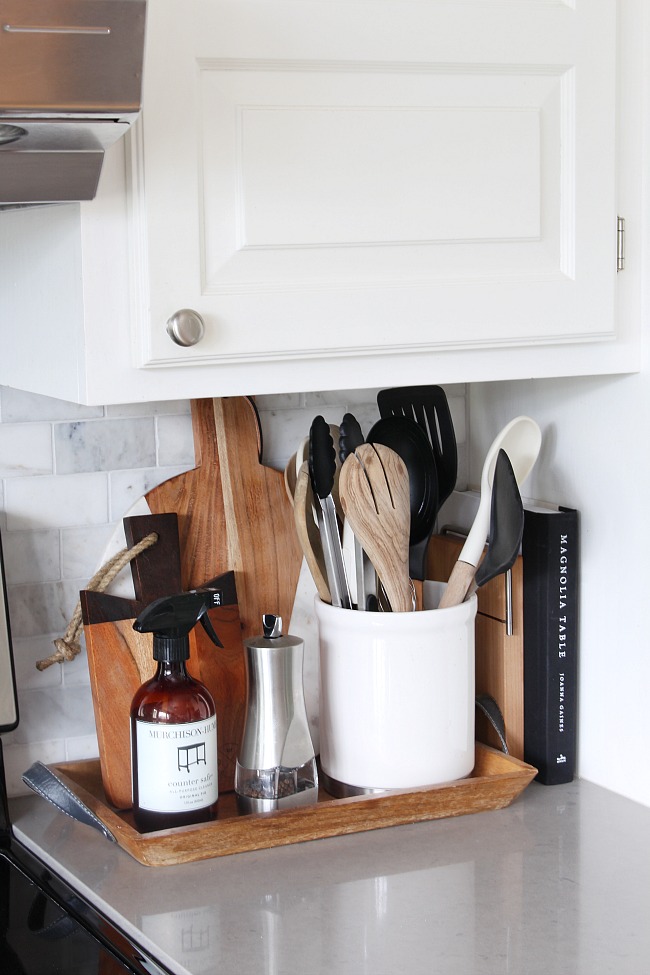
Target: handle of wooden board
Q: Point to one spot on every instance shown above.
(196, 497)
(234, 513)
(157, 571)
(262, 544)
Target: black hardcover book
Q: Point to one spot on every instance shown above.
(551, 563)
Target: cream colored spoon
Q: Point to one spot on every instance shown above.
(374, 491)
(521, 440)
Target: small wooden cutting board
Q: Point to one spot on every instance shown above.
(234, 513)
(120, 659)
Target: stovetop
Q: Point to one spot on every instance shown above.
(47, 928)
(39, 936)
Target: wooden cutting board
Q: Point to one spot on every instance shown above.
(120, 659)
(234, 513)
(221, 669)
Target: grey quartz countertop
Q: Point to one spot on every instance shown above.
(557, 884)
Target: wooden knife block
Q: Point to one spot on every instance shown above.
(499, 658)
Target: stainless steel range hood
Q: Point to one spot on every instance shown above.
(70, 86)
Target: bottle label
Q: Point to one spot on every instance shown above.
(177, 765)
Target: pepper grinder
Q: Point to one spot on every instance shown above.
(276, 766)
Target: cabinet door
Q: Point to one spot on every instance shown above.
(334, 179)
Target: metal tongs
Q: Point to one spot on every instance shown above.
(322, 468)
(351, 437)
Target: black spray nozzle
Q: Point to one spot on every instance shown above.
(171, 618)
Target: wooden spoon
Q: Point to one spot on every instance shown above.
(374, 491)
(308, 534)
(290, 478)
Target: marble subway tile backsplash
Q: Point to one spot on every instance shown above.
(68, 474)
(91, 445)
(26, 450)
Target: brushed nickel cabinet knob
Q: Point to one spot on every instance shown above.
(186, 327)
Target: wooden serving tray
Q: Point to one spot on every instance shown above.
(496, 781)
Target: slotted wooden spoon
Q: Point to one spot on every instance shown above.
(374, 492)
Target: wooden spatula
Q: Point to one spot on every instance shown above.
(374, 490)
(308, 533)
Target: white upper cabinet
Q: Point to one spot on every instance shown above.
(373, 193)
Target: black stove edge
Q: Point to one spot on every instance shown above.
(5, 822)
(88, 917)
(69, 900)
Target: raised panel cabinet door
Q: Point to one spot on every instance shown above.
(329, 179)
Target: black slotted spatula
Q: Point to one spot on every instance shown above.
(429, 407)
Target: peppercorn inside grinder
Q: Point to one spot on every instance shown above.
(276, 766)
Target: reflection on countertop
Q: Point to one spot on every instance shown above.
(557, 883)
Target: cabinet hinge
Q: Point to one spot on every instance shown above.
(620, 243)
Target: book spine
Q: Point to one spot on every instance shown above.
(551, 562)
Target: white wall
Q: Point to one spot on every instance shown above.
(596, 457)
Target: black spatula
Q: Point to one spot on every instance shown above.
(506, 523)
(429, 407)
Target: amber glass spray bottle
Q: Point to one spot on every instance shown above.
(173, 721)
